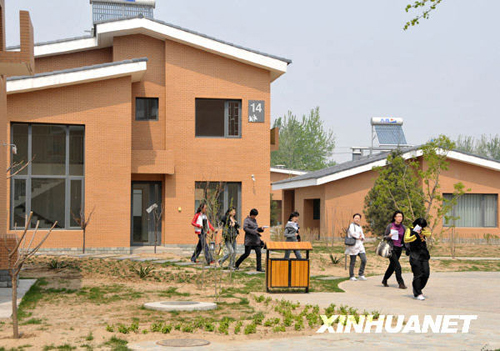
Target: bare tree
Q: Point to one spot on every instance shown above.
(157, 215)
(17, 257)
(83, 222)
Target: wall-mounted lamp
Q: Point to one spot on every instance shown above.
(13, 146)
(253, 177)
(179, 209)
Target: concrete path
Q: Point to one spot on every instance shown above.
(6, 296)
(461, 293)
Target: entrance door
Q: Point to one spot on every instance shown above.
(145, 195)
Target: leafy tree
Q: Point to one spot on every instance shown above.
(412, 188)
(486, 146)
(304, 144)
(396, 188)
(427, 7)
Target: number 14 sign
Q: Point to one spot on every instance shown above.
(256, 111)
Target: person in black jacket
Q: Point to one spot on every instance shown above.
(419, 255)
(252, 240)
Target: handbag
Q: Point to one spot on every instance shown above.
(349, 241)
(384, 249)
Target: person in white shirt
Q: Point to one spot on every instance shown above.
(356, 231)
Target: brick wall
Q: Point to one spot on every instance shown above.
(10, 241)
(104, 108)
(73, 60)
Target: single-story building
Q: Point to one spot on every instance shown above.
(327, 199)
(277, 174)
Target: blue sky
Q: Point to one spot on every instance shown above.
(350, 58)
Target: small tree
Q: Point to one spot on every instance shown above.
(435, 156)
(17, 257)
(413, 188)
(158, 216)
(83, 222)
(396, 188)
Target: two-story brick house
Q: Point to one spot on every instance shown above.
(140, 112)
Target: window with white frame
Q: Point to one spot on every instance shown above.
(473, 211)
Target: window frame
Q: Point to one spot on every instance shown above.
(148, 98)
(226, 119)
(225, 198)
(29, 176)
(483, 212)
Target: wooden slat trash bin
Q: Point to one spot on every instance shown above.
(284, 273)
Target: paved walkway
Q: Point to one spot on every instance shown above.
(461, 293)
(6, 296)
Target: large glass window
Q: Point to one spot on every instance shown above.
(47, 175)
(218, 118)
(474, 211)
(221, 195)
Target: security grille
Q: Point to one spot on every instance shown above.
(114, 9)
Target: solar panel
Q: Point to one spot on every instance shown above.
(390, 134)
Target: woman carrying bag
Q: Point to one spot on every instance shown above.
(358, 249)
(394, 234)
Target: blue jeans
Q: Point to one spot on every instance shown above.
(231, 253)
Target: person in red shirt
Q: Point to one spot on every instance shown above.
(199, 221)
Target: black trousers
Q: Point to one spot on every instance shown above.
(202, 245)
(421, 272)
(248, 249)
(394, 265)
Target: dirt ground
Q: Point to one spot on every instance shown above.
(97, 303)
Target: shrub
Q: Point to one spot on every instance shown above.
(143, 272)
(271, 321)
(279, 329)
(237, 328)
(258, 318)
(250, 328)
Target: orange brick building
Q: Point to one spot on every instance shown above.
(20, 62)
(139, 113)
(327, 199)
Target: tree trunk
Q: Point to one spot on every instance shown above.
(84, 241)
(14, 305)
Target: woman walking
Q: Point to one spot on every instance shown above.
(252, 240)
(201, 224)
(230, 228)
(292, 232)
(394, 233)
(419, 256)
(358, 249)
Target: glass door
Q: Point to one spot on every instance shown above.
(145, 195)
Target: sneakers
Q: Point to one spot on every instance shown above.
(420, 297)
(362, 277)
(353, 279)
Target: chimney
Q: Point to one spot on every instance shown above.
(108, 10)
(356, 153)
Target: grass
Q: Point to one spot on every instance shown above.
(30, 299)
(33, 321)
(117, 344)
